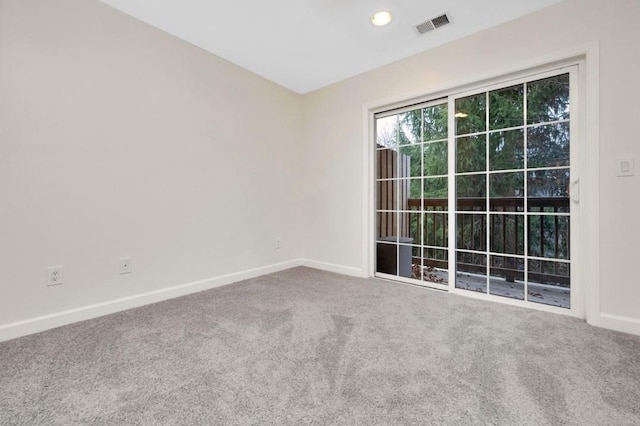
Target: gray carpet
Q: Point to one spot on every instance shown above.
(310, 347)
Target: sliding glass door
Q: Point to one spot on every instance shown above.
(473, 191)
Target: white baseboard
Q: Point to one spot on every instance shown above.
(332, 267)
(618, 323)
(46, 322)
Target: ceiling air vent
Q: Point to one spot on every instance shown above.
(432, 24)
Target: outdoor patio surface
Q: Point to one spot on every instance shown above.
(537, 293)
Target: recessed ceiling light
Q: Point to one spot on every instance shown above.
(381, 18)
(461, 115)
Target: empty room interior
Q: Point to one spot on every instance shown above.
(352, 212)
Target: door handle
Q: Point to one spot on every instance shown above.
(574, 191)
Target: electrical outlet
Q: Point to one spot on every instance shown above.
(125, 265)
(278, 243)
(55, 275)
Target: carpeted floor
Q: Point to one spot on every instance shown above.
(310, 347)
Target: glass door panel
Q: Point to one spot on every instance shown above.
(412, 195)
(512, 171)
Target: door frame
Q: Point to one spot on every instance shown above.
(585, 260)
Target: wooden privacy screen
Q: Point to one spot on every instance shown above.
(392, 196)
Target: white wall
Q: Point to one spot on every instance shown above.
(117, 139)
(335, 134)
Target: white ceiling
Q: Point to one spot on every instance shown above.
(308, 44)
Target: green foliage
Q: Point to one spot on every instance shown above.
(474, 114)
(471, 154)
(506, 150)
(506, 107)
(500, 118)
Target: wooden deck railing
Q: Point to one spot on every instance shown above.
(548, 237)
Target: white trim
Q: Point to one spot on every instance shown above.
(589, 206)
(486, 297)
(576, 152)
(619, 323)
(393, 279)
(333, 267)
(452, 214)
(515, 302)
(412, 281)
(46, 322)
(407, 108)
(368, 194)
(58, 319)
(587, 58)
